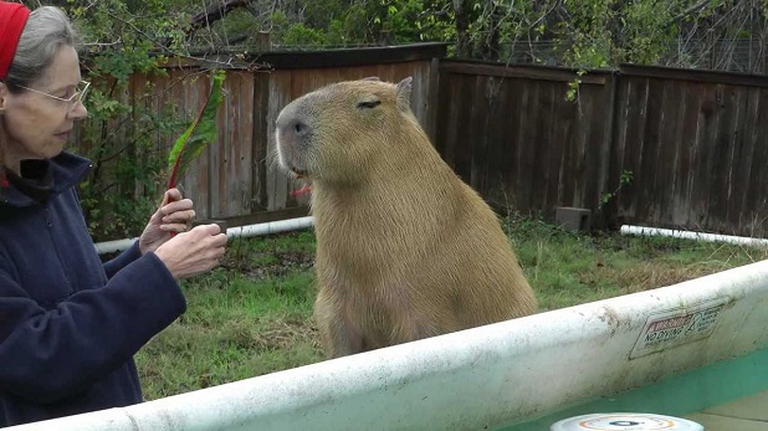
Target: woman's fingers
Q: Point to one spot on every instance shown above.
(177, 206)
(179, 216)
(174, 227)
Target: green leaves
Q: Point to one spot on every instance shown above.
(199, 134)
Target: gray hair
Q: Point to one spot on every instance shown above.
(46, 30)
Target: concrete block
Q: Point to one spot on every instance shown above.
(573, 219)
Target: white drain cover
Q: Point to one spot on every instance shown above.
(626, 422)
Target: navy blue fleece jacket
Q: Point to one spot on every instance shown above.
(70, 325)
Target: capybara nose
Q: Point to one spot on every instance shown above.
(299, 128)
(295, 129)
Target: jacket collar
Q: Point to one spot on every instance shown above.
(67, 170)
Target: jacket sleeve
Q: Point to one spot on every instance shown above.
(47, 355)
(120, 261)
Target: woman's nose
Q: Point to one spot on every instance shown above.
(78, 112)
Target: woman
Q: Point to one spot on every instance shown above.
(69, 325)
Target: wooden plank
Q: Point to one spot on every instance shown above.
(535, 73)
(217, 155)
(529, 116)
(349, 57)
(668, 155)
(574, 157)
(594, 112)
(462, 157)
(756, 206)
(499, 144)
(419, 92)
(618, 147)
(260, 148)
(280, 94)
(689, 139)
(235, 174)
(694, 75)
(709, 122)
(648, 205)
(475, 142)
(608, 103)
(432, 100)
(540, 171)
(742, 154)
(517, 110)
(451, 107)
(722, 159)
(637, 102)
(485, 135)
(561, 138)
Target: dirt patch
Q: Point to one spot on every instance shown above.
(281, 334)
(645, 276)
(266, 265)
(286, 333)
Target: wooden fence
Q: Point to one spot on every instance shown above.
(695, 142)
(238, 179)
(512, 135)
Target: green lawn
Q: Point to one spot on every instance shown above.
(253, 315)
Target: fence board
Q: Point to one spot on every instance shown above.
(232, 174)
(260, 163)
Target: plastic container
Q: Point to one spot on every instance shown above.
(625, 422)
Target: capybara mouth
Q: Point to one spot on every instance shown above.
(300, 173)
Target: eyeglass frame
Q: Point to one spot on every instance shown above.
(78, 96)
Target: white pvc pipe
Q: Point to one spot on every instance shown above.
(258, 229)
(114, 246)
(482, 377)
(271, 227)
(698, 236)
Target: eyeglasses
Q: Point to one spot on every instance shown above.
(79, 96)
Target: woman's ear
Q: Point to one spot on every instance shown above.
(3, 96)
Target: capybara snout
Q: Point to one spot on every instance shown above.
(294, 136)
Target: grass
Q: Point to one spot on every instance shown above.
(252, 315)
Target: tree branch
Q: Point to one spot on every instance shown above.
(695, 8)
(215, 13)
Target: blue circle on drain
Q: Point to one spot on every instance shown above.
(624, 423)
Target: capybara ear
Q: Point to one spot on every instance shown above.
(404, 88)
(371, 78)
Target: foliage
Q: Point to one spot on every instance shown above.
(625, 179)
(343, 23)
(575, 33)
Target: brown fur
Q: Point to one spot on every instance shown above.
(405, 249)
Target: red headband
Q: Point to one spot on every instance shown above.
(13, 17)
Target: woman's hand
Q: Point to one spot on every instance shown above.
(173, 215)
(194, 252)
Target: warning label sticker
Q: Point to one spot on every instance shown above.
(669, 329)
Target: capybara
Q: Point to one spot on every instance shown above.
(405, 249)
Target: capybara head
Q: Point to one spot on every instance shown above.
(344, 124)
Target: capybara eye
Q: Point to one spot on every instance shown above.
(369, 104)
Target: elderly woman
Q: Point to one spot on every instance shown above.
(70, 325)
